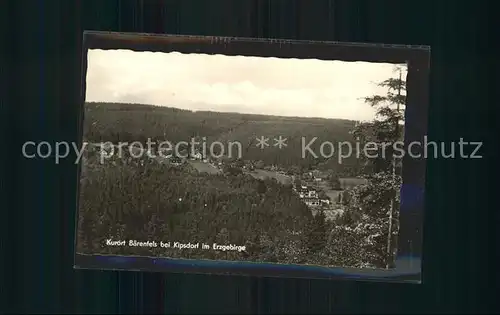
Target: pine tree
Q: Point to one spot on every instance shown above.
(317, 233)
(386, 171)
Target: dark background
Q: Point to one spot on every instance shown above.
(40, 73)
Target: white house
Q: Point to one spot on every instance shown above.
(325, 201)
(197, 156)
(312, 193)
(312, 202)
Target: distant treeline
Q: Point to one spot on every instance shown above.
(117, 122)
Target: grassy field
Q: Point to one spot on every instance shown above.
(349, 182)
(262, 174)
(204, 167)
(332, 194)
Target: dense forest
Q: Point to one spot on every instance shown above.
(145, 200)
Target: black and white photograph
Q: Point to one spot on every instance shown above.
(239, 158)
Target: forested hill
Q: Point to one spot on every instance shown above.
(117, 122)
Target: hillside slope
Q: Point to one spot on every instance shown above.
(134, 122)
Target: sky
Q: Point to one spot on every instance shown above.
(253, 85)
